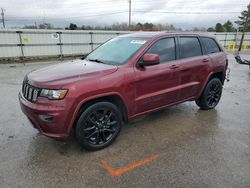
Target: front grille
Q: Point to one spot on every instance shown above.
(29, 92)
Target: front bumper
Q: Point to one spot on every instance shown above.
(58, 126)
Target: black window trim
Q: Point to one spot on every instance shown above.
(165, 37)
(206, 53)
(179, 46)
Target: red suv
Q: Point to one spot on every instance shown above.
(125, 77)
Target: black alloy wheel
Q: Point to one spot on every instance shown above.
(98, 125)
(211, 95)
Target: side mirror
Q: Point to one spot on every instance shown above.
(150, 59)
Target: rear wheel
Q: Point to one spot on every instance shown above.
(98, 126)
(211, 95)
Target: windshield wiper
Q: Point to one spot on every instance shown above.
(96, 60)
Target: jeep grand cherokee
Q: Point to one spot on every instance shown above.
(125, 77)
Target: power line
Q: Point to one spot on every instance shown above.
(135, 1)
(120, 7)
(173, 12)
(125, 11)
(80, 16)
(119, 3)
(158, 12)
(88, 7)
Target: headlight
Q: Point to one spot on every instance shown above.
(54, 94)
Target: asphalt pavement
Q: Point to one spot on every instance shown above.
(181, 146)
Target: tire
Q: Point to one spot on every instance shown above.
(211, 95)
(98, 126)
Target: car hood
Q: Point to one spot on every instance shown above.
(68, 72)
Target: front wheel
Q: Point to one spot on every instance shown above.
(211, 95)
(98, 126)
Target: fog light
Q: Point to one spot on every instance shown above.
(47, 118)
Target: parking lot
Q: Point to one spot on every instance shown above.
(180, 146)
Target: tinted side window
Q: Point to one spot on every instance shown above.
(189, 47)
(210, 45)
(165, 48)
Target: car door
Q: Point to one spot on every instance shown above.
(157, 85)
(214, 51)
(195, 66)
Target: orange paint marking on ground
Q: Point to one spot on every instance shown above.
(122, 170)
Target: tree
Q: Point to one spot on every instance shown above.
(159, 27)
(211, 29)
(198, 29)
(244, 19)
(245, 24)
(72, 26)
(30, 27)
(148, 26)
(219, 27)
(228, 27)
(45, 26)
(195, 29)
(124, 26)
(88, 27)
(139, 26)
(171, 27)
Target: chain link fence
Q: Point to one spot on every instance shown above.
(25, 44)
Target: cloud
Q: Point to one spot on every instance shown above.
(62, 12)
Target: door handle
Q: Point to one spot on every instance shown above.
(174, 66)
(205, 60)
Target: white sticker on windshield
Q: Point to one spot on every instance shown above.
(138, 41)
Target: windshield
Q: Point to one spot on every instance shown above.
(116, 51)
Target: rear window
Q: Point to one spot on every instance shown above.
(210, 45)
(189, 47)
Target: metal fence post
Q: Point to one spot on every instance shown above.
(20, 44)
(60, 44)
(91, 41)
(235, 39)
(225, 41)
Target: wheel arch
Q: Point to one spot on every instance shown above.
(220, 75)
(113, 98)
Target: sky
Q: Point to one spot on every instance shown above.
(182, 14)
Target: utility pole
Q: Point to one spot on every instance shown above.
(237, 30)
(129, 16)
(2, 13)
(243, 32)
